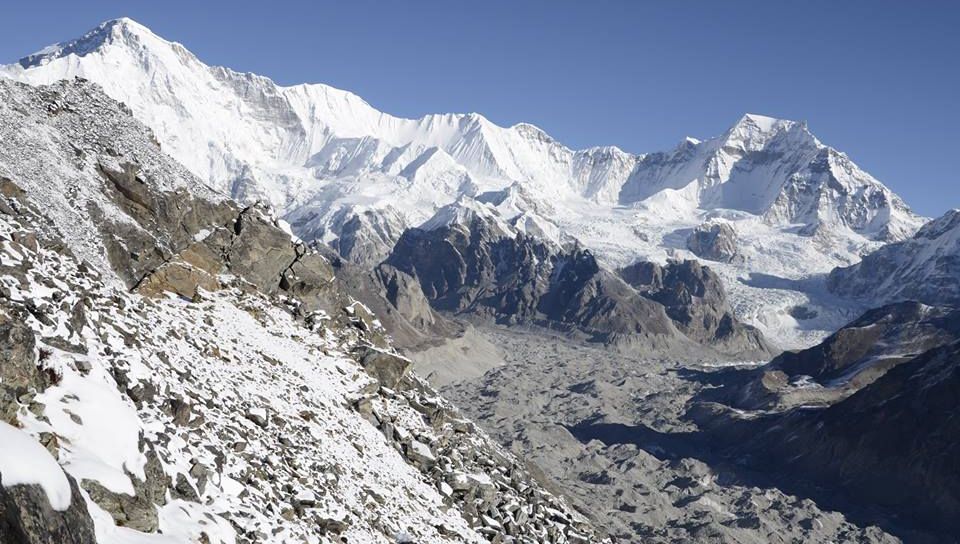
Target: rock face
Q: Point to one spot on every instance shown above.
(478, 268)
(903, 427)
(851, 358)
(154, 226)
(395, 298)
(366, 237)
(925, 268)
(694, 299)
(473, 263)
(253, 247)
(26, 517)
(714, 241)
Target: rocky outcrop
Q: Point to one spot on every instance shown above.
(366, 237)
(694, 299)
(893, 442)
(480, 269)
(403, 292)
(867, 416)
(477, 265)
(851, 358)
(180, 278)
(20, 375)
(26, 517)
(139, 510)
(924, 268)
(252, 247)
(714, 241)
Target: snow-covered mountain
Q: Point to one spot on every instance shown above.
(924, 268)
(778, 170)
(342, 172)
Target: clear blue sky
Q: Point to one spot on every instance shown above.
(879, 80)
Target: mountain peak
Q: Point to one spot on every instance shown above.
(753, 132)
(763, 122)
(107, 32)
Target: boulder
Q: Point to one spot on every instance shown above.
(19, 372)
(308, 279)
(387, 368)
(137, 511)
(259, 252)
(26, 517)
(420, 455)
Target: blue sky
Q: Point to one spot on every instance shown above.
(879, 80)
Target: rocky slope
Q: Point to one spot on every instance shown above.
(862, 421)
(853, 357)
(345, 174)
(924, 268)
(200, 375)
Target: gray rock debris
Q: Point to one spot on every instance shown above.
(498, 496)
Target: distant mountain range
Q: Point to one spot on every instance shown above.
(341, 172)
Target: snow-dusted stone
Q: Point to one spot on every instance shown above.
(925, 268)
(23, 461)
(19, 372)
(39, 503)
(387, 368)
(420, 454)
(258, 415)
(180, 278)
(306, 498)
(481, 484)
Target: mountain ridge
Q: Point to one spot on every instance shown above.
(520, 152)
